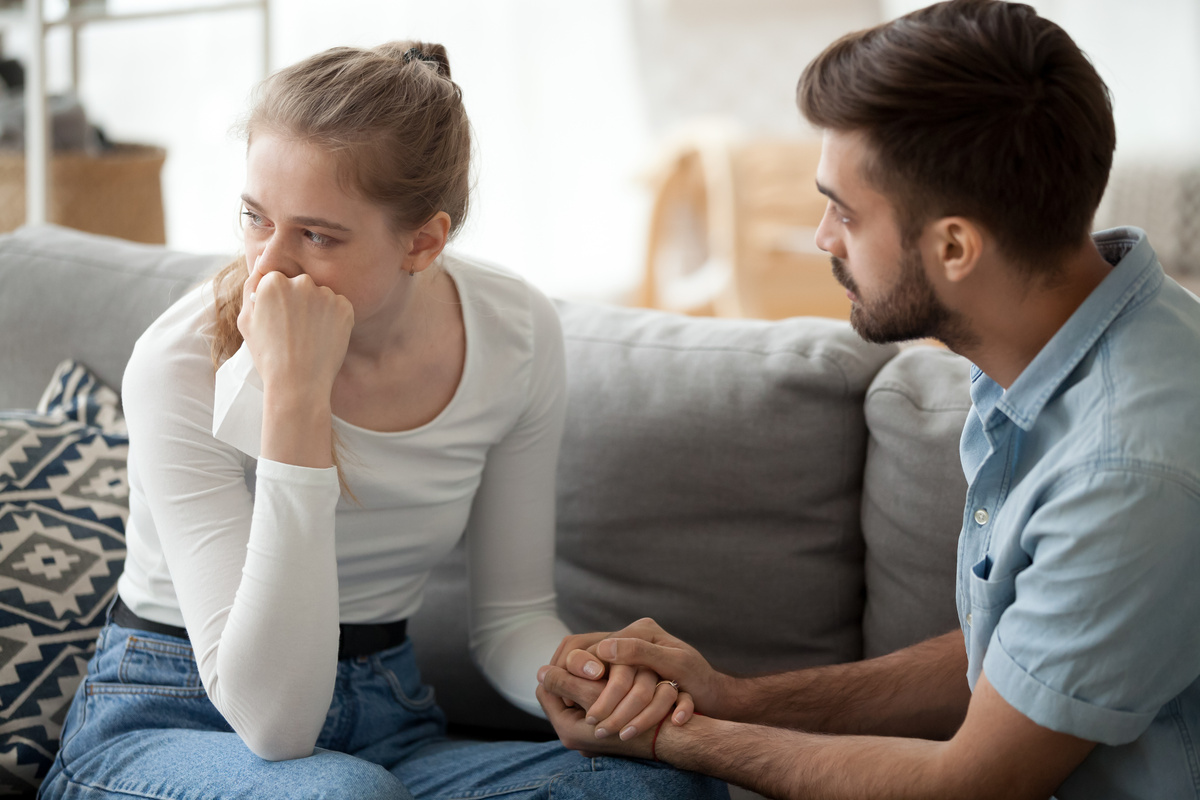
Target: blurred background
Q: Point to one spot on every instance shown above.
(642, 151)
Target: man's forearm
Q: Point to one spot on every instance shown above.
(997, 752)
(920, 691)
(785, 764)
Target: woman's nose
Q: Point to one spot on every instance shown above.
(273, 258)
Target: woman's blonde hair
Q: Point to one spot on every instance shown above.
(392, 118)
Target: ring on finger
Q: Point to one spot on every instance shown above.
(674, 685)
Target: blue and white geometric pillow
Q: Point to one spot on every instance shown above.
(64, 500)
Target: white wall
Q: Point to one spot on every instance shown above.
(568, 99)
(549, 86)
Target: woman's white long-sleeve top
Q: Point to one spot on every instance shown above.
(261, 560)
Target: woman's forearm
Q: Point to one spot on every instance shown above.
(297, 426)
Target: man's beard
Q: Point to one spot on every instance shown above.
(911, 310)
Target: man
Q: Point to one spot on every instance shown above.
(966, 147)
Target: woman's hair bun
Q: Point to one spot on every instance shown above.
(429, 53)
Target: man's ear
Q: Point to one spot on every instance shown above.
(957, 247)
(427, 243)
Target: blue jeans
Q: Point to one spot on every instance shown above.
(141, 725)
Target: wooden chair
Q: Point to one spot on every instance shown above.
(732, 227)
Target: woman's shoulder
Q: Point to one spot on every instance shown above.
(514, 338)
(176, 346)
(495, 297)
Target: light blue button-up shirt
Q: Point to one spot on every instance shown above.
(1079, 557)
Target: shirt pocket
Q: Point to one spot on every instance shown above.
(989, 595)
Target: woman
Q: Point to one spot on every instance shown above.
(342, 376)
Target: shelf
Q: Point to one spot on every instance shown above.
(89, 13)
(78, 15)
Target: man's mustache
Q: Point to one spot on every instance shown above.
(842, 275)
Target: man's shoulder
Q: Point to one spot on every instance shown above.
(1136, 399)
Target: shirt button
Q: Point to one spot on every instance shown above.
(981, 516)
(968, 619)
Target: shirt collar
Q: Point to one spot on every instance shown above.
(1135, 269)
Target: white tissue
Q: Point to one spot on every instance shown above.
(238, 404)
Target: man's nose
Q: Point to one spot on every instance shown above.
(825, 237)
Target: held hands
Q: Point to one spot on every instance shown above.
(576, 734)
(297, 332)
(633, 700)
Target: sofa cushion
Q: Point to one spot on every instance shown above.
(710, 477)
(69, 294)
(63, 505)
(913, 497)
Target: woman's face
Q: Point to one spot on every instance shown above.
(298, 220)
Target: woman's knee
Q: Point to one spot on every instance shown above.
(341, 776)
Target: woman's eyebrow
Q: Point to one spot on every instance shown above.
(317, 222)
(308, 222)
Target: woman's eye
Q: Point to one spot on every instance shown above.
(317, 238)
(254, 219)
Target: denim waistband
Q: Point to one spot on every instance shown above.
(353, 640)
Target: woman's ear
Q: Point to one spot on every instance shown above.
(957, 246)
(427, 243)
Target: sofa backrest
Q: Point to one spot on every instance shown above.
(913, 496)
(66, 294)
(711, 477)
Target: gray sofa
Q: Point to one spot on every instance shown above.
(780, 494)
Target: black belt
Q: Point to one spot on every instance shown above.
(353, 641)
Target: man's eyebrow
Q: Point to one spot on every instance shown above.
(825, 190)
(308, 222)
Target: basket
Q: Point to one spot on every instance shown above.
(117, 192)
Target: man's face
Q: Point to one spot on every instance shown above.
(892, 298)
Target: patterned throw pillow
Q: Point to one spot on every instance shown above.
(64, 499)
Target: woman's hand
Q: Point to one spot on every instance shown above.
(298, 334)
(632, 700)
(579, 641)
(645, 645)
(576, 734)
(641, 709)
(297, 331)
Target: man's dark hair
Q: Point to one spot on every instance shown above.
(974, 108)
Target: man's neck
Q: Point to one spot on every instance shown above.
(1013, 316)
